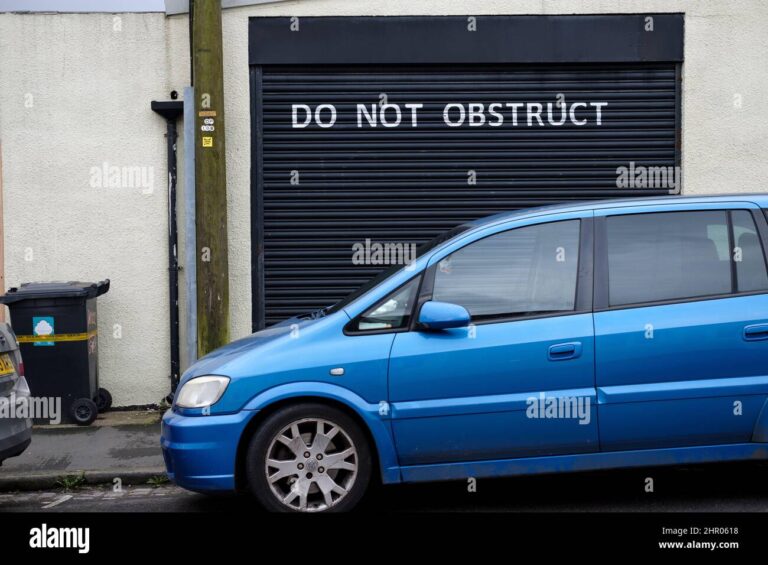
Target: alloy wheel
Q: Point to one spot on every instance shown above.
(311, 465)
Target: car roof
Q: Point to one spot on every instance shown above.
(581, 205)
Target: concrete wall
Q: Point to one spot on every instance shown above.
(91, 86)
(75, 91)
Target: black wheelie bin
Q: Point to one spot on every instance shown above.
(55, 324)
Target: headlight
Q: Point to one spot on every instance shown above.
(201, 391)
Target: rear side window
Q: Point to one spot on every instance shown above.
(680, 255)
(748, 253)
(524, 271)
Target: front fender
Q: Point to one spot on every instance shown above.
(379, 425)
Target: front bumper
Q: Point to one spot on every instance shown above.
(200, 452)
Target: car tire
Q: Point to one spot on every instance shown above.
(303, 484)
(103, 400)
(83, 411)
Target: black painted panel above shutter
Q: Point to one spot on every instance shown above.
(407, 184)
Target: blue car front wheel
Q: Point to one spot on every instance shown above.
(309, 458)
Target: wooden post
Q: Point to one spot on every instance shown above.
(210, 178)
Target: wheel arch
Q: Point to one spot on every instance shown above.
(376, 428)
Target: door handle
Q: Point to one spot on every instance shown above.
(756, 332)
(562, 351)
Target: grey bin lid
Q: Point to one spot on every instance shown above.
(71, 289)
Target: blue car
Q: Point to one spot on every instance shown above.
(582, 336)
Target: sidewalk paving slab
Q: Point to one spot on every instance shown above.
(123, 445)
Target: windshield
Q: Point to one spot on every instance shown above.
(386, 273)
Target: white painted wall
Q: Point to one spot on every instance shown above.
(92, 86)
(75, 92)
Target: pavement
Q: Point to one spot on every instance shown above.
(119, 444)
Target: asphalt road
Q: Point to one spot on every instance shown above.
(733, 487)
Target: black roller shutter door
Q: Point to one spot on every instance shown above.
(324, 189)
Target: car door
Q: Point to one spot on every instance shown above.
(681, 324)
(519, 381)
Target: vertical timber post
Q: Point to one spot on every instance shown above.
(210, 178)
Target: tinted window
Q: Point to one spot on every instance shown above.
(666, 256)
(748, 253)
(523, 271)
(394, 312)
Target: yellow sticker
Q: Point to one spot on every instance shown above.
(207, 142)
(207, 113)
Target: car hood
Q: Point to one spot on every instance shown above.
(214, 362)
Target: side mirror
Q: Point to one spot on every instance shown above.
(443, 315)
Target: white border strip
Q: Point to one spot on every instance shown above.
(173, 7)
